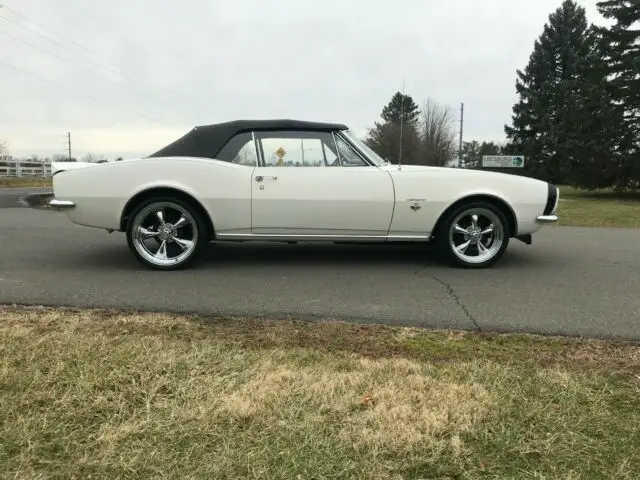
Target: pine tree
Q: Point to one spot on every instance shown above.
(620, 45)
(401, 106)
(558, 90)
(384, 138)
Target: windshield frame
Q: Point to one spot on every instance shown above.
(364, 149)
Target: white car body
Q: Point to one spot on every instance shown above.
(367, 201)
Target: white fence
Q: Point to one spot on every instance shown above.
(24, 168)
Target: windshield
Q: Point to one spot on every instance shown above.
(375, 158)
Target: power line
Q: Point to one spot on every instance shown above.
(35, 47)
(59, 36)
(9, 65)
(63, 58)
(119, 68)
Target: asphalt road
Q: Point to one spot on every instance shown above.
(574, 281)
(10, 197)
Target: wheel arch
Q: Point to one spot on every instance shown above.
(173, 192)
(505, 208)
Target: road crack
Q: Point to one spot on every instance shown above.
(456, 298)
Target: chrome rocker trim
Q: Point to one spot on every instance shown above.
(61, 204)
(547, 219)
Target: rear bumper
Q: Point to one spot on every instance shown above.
(61, 204)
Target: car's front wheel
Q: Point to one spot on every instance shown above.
(165, 233)
(474, 235)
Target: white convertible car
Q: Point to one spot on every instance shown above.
(288, 180)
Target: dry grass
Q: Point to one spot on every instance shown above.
(109, 395)
(25, 182)
(388, 404)
(600, 208)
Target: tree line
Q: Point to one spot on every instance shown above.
(577, 117)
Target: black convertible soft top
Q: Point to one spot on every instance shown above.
(207, 140)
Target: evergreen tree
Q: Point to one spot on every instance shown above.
(621, 45)
(393, 111)
(556, 123)
(384, 138)
(621, 48)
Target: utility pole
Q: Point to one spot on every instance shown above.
(401, 126)
(69, 144)
(461, 129)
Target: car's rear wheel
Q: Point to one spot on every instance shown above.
(474, 235)
(165, 233)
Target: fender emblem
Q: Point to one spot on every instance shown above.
(415, 204)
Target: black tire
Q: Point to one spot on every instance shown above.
(194, 231)
(496, 243)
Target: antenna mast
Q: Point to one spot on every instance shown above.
(401, 126)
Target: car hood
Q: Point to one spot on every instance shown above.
(451, 172)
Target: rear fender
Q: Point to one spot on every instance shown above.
(57, 167)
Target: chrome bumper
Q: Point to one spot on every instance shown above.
(61, 204)
(547, 219)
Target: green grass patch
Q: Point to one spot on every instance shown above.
(25, 182)
(95, 394)
(599, 208)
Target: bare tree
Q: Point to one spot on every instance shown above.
(438, 134)
(3, 148)
(93, 158)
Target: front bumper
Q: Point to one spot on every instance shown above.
(549, 213)
(547, 219)
(61, 204)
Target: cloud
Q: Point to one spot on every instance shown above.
(201, 61)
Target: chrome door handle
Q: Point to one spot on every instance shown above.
(261, 178)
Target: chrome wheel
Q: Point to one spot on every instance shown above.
(476, 235)
(164, 234)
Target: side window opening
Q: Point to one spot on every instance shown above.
(240, 150)
(298, 149)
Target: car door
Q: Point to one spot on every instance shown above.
(312, 184)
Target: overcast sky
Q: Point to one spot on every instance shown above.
(165, 66)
